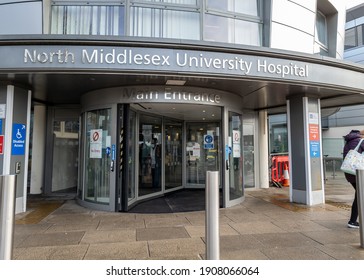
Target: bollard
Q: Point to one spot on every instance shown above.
(360, 200)
(212, 216)
(7, 215)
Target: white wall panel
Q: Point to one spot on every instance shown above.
(287, 38)
(308, 4)
(291, 14)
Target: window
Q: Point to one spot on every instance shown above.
(350, 38)
(233, 21)
(87, 20)
(228, 21)
(321, 40)
(164, 23)
(247, 7)
(321, 29)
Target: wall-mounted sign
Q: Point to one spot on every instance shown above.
(18, 139)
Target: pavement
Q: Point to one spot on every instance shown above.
(266, 226)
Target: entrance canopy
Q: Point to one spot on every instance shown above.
(60, 70)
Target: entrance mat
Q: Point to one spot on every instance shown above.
(179, 201)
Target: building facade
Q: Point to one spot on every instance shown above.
(123, 101)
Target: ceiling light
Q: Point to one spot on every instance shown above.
(175, 82)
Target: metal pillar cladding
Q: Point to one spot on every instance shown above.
(360, 201)
(7, 215)
(212, 234)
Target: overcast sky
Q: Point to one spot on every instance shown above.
(352, 3)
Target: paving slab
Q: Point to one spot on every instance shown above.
(284, 240)
(118, 251)
(52, 239)
(200, 231)
(68, 252)
(334, 236)
(109, 236)
(176, 248)
(160, 233)
(256, 227)
(296, 253)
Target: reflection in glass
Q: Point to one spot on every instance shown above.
(248, 154)
(248, 7)
(150, 154)
(229, 30)
(162, 23)
(131, 155)
(173, 154)
(201, 156)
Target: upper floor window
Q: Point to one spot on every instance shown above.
(321, 41)
(87, 20)
(229, 21)
(233, 21)
(354, 37)
(179, 19)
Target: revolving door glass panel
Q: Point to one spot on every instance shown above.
(97, 160)
(235, 156)
(173, 154)
(202, 152)
(150, 155)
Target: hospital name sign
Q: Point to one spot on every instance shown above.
(164, 60)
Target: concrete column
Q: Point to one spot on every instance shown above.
(305, 150)
(38, 149)
(263, 149)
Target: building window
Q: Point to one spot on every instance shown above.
(228, 21)
(350, 38)
(354, 37)
(233, 21)
(164, 23)
(87, 20)
(321, 41)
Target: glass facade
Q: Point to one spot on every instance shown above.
(232, 21)
(354, 37)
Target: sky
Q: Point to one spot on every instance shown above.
(352, 3)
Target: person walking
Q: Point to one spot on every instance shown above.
(351, 141)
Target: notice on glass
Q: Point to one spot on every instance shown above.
(96, 143)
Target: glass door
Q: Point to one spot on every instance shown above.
(97, 156)
(150, 155)
(248, 151)
(173, 154)
(234, 190)
(202, 152)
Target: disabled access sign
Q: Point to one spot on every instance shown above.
(18, 139)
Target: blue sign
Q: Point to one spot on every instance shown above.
(18, 139)
(314, 149)
(1, 126)
(208, 141)
(113, 153)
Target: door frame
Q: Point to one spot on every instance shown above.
(226, 176)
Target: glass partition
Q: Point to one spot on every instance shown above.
(97, 160)
(150, 154)
(173, 154)
(235, 156)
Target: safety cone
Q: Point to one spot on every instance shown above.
(285, 176)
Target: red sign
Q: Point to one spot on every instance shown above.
(1, 144)
(313, 130)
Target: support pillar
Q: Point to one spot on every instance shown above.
(38, 149)
(305, 150)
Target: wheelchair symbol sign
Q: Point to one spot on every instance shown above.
(18, 139)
